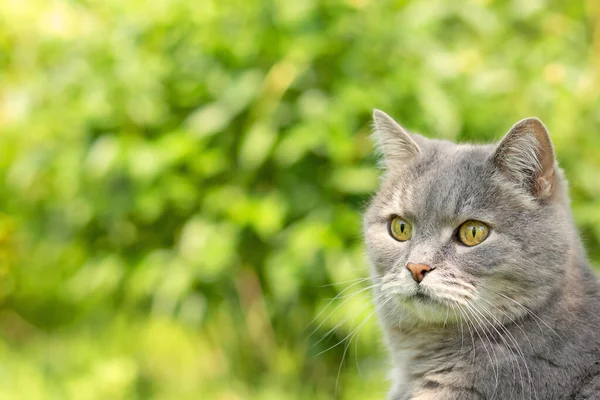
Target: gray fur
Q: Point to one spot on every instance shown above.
(393, 141)
(515, 317)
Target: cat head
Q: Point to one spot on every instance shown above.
(479, 231)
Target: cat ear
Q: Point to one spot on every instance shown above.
(526, 156)
(393, 141)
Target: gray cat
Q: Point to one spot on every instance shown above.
(481, 281)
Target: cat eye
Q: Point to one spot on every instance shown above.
(400, 229)
(472, 233)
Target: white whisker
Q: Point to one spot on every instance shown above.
(493, 365)
(527, 310)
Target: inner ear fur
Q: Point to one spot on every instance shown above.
(396, 145)
(526, 156)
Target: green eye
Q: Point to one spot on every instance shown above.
(400, 229)
(472, 233)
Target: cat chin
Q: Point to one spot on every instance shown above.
(421, 310)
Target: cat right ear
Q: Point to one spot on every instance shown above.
(393, 141)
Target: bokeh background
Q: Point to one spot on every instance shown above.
(181, 182)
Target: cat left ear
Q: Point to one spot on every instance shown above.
(393, 141)
(526, 156)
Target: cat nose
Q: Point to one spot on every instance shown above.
(418, 271)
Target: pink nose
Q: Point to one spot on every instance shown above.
(418, 271)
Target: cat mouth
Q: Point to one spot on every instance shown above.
(425, 299)
(422, 297)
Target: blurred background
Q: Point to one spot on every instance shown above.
(181, 182)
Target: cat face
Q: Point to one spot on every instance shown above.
(424, 270)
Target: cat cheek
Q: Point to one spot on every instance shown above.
(383, 260)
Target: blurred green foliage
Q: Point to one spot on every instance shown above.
(181, 182)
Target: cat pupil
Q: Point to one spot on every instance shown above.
(402, 228)
(474, 231)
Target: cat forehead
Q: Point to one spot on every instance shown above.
(444, 164)
(447, 180)
(447, 157)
